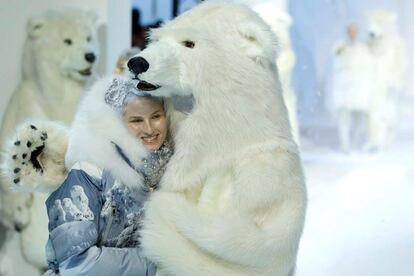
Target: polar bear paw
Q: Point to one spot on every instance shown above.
(34, 159)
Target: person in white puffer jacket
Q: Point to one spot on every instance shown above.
(352, 87)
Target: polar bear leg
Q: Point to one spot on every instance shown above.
(344, 129)
(359, 135)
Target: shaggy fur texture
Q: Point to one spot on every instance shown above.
(34, 157)
(232, 200)
(54, 75)
(52, 68)
(95, 126)
(28, 172)
(280, 22)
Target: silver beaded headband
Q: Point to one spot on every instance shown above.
(119, 90)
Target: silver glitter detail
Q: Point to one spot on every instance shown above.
(154, 166)
(119, 90)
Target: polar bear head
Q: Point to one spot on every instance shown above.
(224, 55)
(15, 213)
(61, 42)
(381, 23)
(214, 44)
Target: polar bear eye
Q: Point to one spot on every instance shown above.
(188, 43)
(68, 41)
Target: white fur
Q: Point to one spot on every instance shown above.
(389, 52)
(35, 235)
(96, 125)
(352, 88)
(51, 158)
(232, 200)
(51, 86)
(23, 209)
(280, 22)
(50, 89)
(6, 265)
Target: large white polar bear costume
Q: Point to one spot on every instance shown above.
(232, 200)
(389, 52)
(59, 59)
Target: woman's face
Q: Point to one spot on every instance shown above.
(146, 119)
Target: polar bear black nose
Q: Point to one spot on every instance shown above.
(90, 57)
(18, 228)
(138, 65)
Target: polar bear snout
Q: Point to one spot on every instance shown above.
(18, 227)
(90, 57)
(138, 65)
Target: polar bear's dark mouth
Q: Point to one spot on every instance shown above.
(34, 158)
(86, 72)
(146, 86)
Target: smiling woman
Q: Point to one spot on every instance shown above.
(146, 120)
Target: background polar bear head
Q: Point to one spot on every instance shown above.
(62, 42)
(214, 44)
(381, 23)
(15, 211)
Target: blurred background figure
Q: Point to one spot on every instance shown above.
(353, 80)
(389, 52)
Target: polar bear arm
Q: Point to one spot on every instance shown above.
(262, 206)
(267, 178)
(33, 159)
(162, 243)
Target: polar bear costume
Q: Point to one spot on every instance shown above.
(352, 85)
(276, 15)
(21, 167)
(232, 200)
(59, 59)
(389, 51)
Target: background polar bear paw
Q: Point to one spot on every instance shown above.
(34, 157)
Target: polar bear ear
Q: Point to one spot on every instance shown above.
(93, 16)
(260, 43)
(35, 26)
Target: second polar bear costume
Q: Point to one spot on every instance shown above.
(390, 55)
(277, 16)
(233, 199)
(59, 58)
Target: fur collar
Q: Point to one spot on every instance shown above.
(95, 130)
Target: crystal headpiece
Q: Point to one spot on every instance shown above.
(119, 90)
